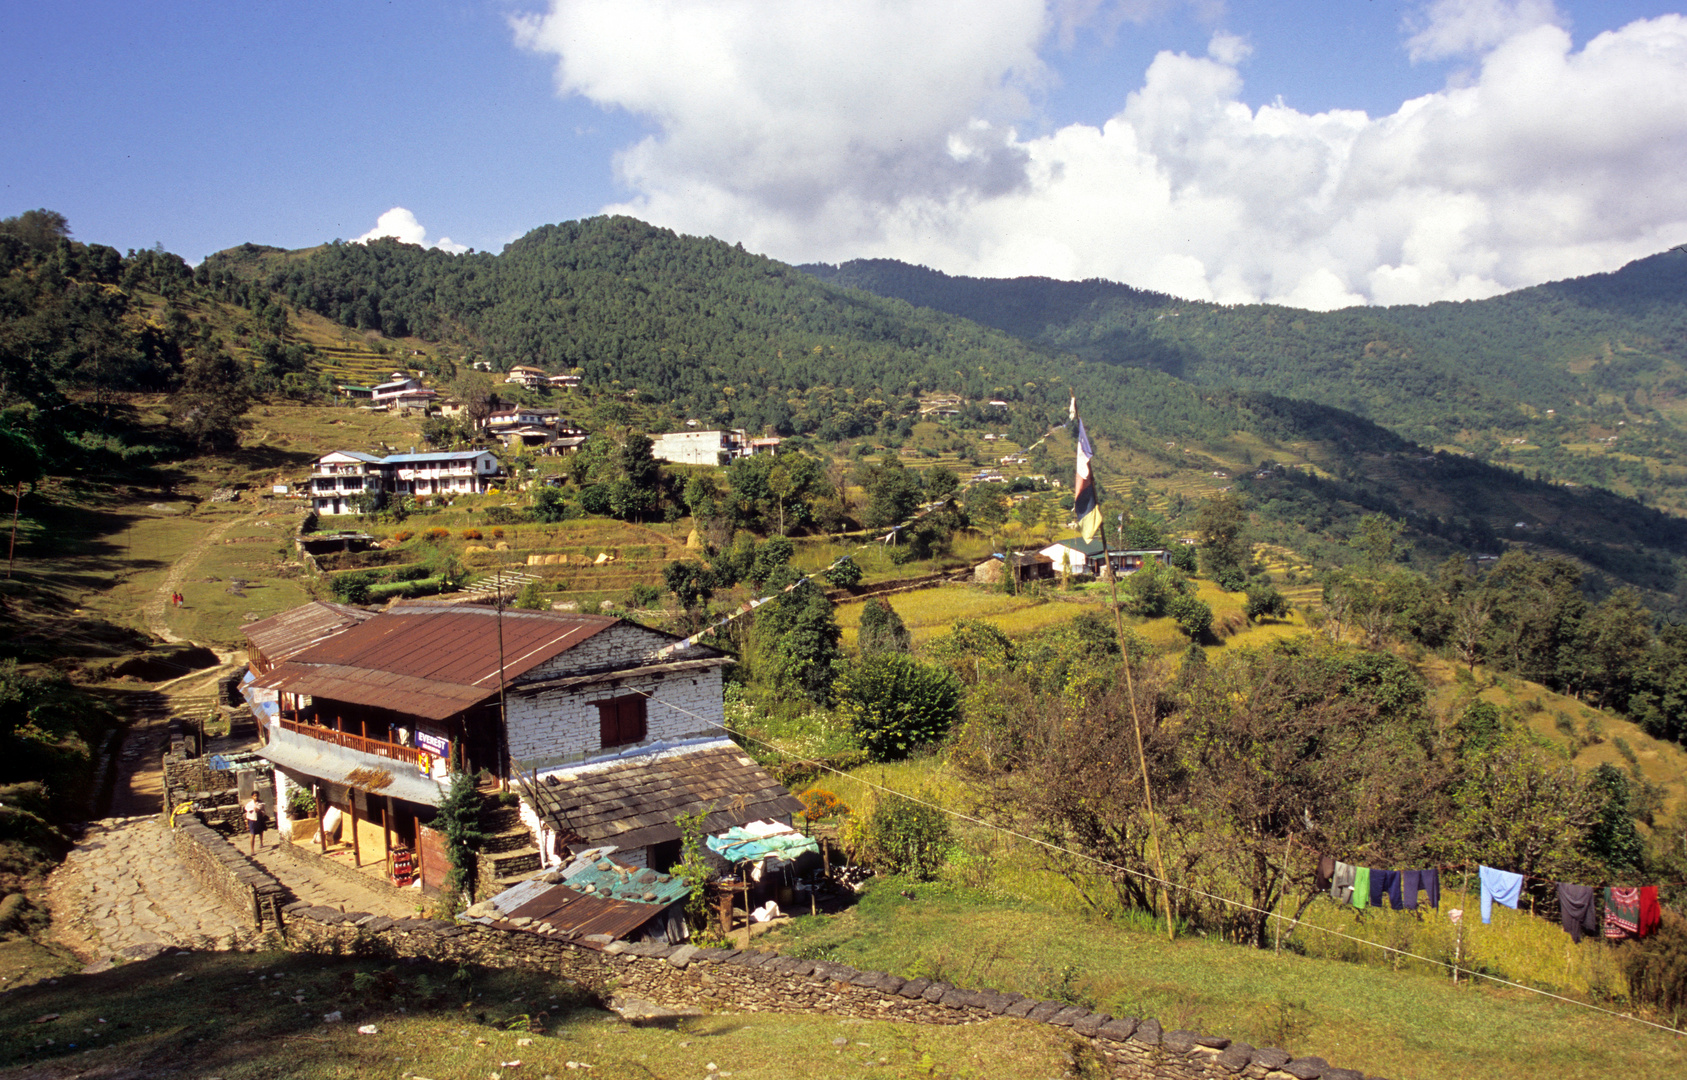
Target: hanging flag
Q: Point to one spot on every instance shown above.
(1086, 509)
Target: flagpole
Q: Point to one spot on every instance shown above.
(1130, 690)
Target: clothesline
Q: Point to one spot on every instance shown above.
(1240, 905)
(1469, 869)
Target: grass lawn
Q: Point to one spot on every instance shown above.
(233, 1015)
(929, 613)
(1372, 1019)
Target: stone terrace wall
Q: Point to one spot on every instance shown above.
(753, 981)
(221, 868)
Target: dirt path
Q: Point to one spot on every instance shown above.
(172, 583)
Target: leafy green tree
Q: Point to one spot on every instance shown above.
(210, 408)
(898, 704)
(893, 494)
(691, 582)
(550, 505)
(973, 649)
(941, 483)
(1194, 617)
(845, 574)
(459, 819)
(1220, 527)
(881, 629)
(1264, 600)
(1613, 839)
(795, 645)
(1522, 806)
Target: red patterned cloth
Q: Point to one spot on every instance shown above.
(1622, 912)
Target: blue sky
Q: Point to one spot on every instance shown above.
(1221, 149)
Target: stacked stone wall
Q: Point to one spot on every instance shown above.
(732, 980)
(229, 874)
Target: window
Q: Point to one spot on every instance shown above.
(621, 720)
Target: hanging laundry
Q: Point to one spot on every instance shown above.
(1341, 883)
(1427, 880)
(1361, 886)
(1326, 871)
(1651, 915)
(1498, 885)
(1575, 910)
(1622, 913)
(1386, 883)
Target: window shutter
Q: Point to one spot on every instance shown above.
(608, 722)
(621, 721)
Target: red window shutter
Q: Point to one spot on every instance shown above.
(632, 719)
(608, 722)
(621, 721)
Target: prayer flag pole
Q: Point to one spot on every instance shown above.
(1086, 511)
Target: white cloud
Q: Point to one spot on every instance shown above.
(1470, 27)
(879, 128)
(402, 225)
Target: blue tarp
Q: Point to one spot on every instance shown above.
(736, 845)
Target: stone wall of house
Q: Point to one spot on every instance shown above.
(227, 873)
(731, 980)
(621, 645)
(560, 727)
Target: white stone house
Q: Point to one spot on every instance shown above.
(607, 734)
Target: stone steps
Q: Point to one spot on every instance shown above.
(520, 861)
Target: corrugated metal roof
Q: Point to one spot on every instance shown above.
(431, 660)
(443, 455)
(296, 629)
(633, 803)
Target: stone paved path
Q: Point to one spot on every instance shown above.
(306, 882)
(122, 894)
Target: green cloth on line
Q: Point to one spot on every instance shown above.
(736, 845)
(1362, 887)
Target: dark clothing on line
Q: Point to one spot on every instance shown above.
(1326, 871)
(1341, 882)
(1428, 880)
(1386, 883)
(1575, 910)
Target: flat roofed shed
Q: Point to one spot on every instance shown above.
(429, 660)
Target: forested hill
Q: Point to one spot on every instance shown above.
(690, 328)
(1609, 346)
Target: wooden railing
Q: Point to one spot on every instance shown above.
(352, 742)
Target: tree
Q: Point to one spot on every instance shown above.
(881, 629)
(1613, 839)
(549, 505)
(1521, 806)
(906, 837)
(1194, 617)
(691, 582)
(893, 494)
(794, 644)
(1220, 525)
(210, 407)
(1264, 599)
(459, 819)
(845, 573)
(1377, 537)
(897, 704)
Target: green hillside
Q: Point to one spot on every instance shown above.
(1542, 377)
(677, 328)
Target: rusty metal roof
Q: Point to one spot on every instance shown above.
(581, 914)
(633, 803)
(431, 660)
(296, 629)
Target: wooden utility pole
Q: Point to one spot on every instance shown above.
(1136, 722)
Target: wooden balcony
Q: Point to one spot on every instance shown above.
(378, 747)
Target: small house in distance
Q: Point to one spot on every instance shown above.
(1025, 565)
(700, 447)
(1084, 557)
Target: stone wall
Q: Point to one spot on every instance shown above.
(557, 727)
(229, 874)
(732, 980)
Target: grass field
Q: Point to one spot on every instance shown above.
(233, 1015)
(1375, 1020)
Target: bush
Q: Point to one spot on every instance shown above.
(906, 837)
(506, 515)
(1656, 968)
(845, 574)
(644, 596)
(402, 535)
(498, 534)
(472, 534)
(1193, 616)
(301, 803)
(436, 534)
(898, 704)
